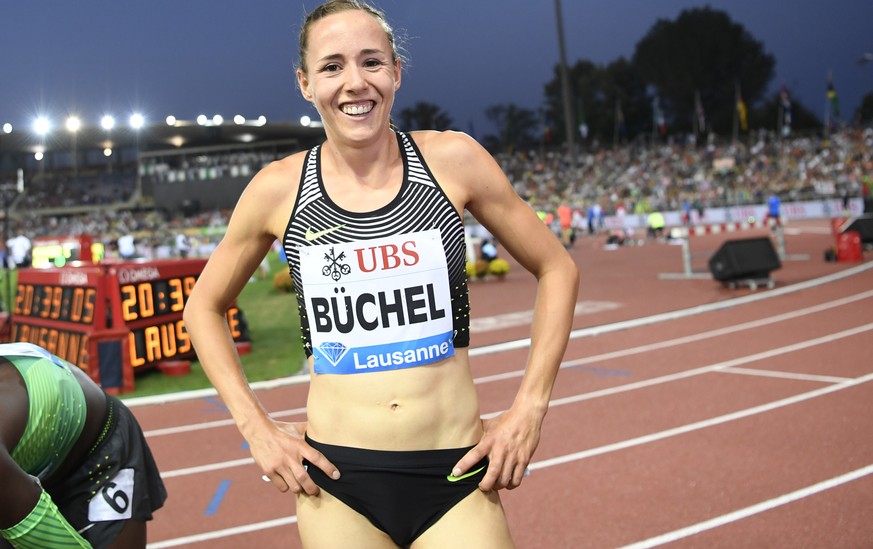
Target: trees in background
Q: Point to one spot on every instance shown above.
(516, 127)
(703, 54)
(699, 74)
(864, 113)
(424, 115)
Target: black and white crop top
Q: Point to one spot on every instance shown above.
(379, 290)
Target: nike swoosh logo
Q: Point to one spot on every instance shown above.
(310, 236)
(452, 478)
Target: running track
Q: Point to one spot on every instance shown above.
(686, 414)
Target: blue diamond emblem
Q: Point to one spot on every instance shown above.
(333, 351)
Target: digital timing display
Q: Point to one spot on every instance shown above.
(154, 298)
(69, 345)
(169, 339)
(54, 302)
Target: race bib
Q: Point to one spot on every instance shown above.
(381, 304)
(114, 498)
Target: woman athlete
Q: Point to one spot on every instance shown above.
(393, 451)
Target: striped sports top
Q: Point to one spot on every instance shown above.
(384, 289)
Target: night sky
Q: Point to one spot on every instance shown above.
(191, 57)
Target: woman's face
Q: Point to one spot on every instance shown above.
(352, 74)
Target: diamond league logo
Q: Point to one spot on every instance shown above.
(333, 351)
(334, 268)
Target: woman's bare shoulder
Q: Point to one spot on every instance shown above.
(443, 145)
(268, 199)
(280, 173)
(462, 166)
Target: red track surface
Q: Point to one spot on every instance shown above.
(685, 414)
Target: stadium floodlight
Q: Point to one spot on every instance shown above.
(137, 121)
(218, 120)
(42, 126)
(107, 122)
(7, 128)
(171, 120)
(305, 121)
(73, 124)
(239, 120)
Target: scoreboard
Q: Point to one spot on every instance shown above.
(57, 309)
(63, 309)
(149, 300)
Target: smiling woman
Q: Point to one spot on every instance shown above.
(371, 221)
(353, 87)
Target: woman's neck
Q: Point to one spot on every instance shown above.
(365, 164)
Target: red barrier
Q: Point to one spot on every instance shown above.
(849, 246)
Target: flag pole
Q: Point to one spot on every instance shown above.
(780, 119)
(565, 87)
(736, 111)
(827, 108)
(615, 126)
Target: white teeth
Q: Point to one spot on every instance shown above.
(357, 109)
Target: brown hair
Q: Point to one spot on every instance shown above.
(337, 6)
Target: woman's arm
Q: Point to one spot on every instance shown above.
(277, 448)
(511, 438)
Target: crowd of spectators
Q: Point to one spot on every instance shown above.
(52, 191)
(630, 178)
(641, 179)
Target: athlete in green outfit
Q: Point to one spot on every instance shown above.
(75, 469)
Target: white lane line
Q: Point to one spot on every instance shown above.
(214, 424)
(227, 532)
(785, 375)
(522, 343)
(698, 425)
(752, 509)
(198, 469)
(812, 230)
(521, 318)
(710, 368)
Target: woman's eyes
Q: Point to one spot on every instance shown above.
(367, 64)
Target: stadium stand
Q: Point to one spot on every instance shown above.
(187, 177)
